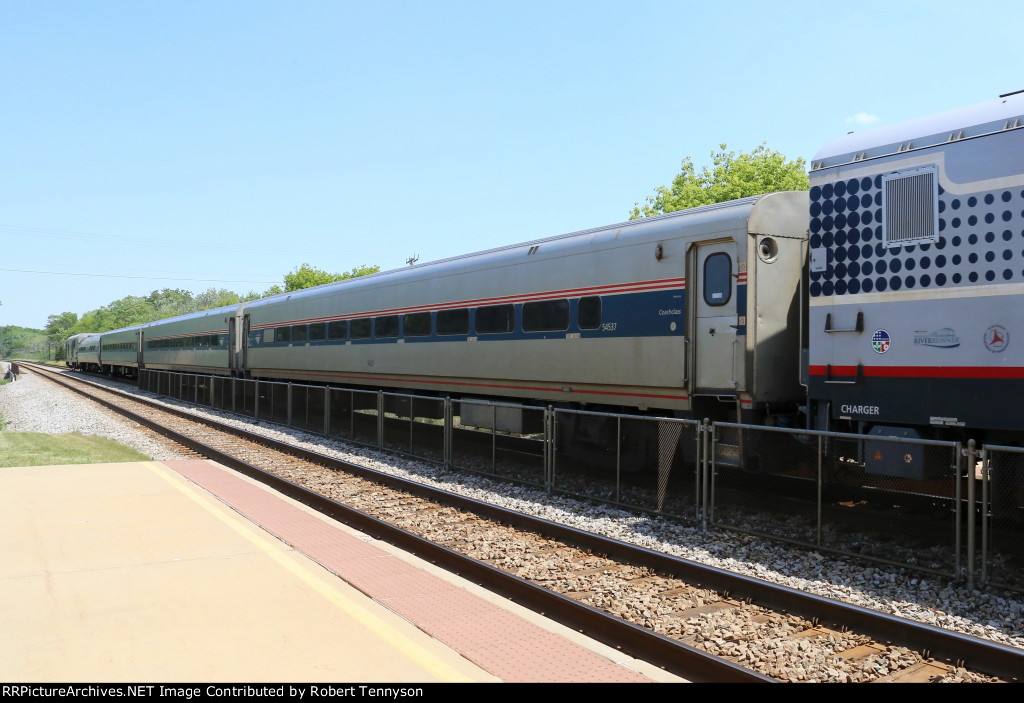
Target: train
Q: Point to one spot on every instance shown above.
(883, 300)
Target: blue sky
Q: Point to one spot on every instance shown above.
(222, 144)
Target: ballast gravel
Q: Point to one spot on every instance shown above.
(34, 405)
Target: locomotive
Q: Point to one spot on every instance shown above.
(879, 302)
(916, 256)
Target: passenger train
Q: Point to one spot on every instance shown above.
(882, 300)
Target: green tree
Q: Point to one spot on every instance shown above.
(216, 298)
(171, 302)
(22, 343)
(128, 311)
(732, 175)
(306, 276)
(57, 327)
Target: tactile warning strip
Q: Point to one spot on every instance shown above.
(495, 639)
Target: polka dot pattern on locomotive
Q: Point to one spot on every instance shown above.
(981, 240)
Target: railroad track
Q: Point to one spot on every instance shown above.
(699, 622)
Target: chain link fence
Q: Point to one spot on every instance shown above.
(651, 464)
(307, 407)
(1001, 557)
(415, 426)
(222, 393)
(244, 395)
(931, 505)
(352, 416)
(503, 440)
(889, 499)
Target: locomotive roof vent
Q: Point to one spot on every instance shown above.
(910, 206)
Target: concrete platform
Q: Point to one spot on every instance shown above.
(161, 571)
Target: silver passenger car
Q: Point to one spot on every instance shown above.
(201, 342)
(86, 352)
(676, 313)
(119, 352)
(71, 346)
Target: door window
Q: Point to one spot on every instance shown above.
(717, 279)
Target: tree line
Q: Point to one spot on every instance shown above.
(161, 304)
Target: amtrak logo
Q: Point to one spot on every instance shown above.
(997, 339)
(881, 341)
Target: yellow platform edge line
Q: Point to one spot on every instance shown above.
(428, 661)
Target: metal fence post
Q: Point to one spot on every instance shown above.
(448, 429)
(288, 403)
(958, 566)
(327, 411)
(708, 467)
(986, 514)
(698, 471)
(412, 421)
(821, 485)
(971, 463)
(547, 449)
(618, 459)
(554, 450)
(380, 420)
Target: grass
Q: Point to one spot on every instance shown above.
(37, 449)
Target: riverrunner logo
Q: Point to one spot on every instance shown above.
(944, 339)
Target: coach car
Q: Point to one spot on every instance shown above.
(119, 352)
(597, 317)
(203, 342)
(71, 348)
(86, 352)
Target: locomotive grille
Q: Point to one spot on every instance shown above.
(911, 207)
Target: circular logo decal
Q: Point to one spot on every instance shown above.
(881, 341)
(997, 338)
